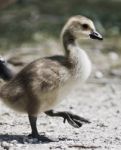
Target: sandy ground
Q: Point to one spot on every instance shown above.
(99, 100)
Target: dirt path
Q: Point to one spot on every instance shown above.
(99, 102)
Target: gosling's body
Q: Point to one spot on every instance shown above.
(45, 82)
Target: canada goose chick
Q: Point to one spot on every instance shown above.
(41, 84)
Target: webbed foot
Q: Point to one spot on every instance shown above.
(74, 120)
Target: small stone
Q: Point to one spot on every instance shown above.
(5, 145)
(113, 56)
(99, 75)
(14, 142)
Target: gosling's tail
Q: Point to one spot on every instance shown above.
(5, 72)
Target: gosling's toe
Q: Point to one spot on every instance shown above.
(75, 120)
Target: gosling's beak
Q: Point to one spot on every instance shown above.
(96, 35)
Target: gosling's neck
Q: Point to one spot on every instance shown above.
(71, 47)
(70, 44)
(68, 39)
(77, 56)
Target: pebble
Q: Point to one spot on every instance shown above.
(5, 145)
(14, 142)
(113, 56)
(99, 75)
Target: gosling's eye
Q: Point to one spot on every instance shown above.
(85, 26)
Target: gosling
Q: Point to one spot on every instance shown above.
(42, 84)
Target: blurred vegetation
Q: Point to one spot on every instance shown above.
(27, 20)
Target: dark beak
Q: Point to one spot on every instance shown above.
(96, 35)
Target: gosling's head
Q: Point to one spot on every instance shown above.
(81, 27)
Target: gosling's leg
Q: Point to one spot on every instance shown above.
(74, 120)
(35, 133)
(33, 125)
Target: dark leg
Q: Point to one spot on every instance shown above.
(35, 133)
(74, 120)
(33, 121)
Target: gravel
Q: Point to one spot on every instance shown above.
(100, 103)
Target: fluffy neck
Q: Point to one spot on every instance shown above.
(67, 39)
(71, 47)
(77, 56)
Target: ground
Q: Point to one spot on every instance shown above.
(99, 103)
(97, 100)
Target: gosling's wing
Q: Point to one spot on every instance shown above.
(45, 74)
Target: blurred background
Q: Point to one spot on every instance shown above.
(31, 28)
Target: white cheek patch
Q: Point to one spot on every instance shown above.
(83, 35)
(86, 32)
